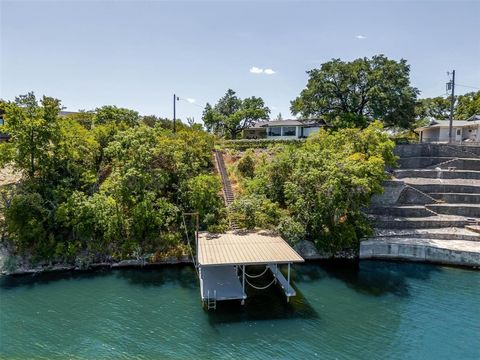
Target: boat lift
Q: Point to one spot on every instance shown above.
(222, 258)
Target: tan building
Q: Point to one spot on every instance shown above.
(462, 130)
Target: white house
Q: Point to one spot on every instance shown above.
(283, 129)
(462, 130)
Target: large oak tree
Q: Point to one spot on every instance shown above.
(353, 94)
(231, 115)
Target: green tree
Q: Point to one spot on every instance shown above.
(231, 115)
(436, 108)
(27, 220)
(34, 131)
(84, 118)
(74, 158)
(202, 194)
(109, 113)
(353, 94)
(254, 212)
(246, 165)
(468, 105)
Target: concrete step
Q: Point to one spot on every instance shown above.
(444, 186)
(424, 162)
(438, 150)
(449, 233)
(413, 196)
(436, 174)
(402, 210)
(440, 221)
(453, 252)
(464, 198)
(474, 228)
(467, 210)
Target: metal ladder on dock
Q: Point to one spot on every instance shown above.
(212, 302)
(228, 195)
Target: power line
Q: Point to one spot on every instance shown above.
(468, 86)
(191, 103)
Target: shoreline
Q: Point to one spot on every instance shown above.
(185, 261)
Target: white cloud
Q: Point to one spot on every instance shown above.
(360, 37)
(191, 101)
(256, 70)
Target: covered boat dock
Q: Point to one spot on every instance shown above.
(222, 258)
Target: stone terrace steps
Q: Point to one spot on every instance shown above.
(467, 210)
(473, 228)
(444, 185)
(436, 174)
(426, 162)
(402, 210)
(439, 221)
(448, 233)
(457, 198)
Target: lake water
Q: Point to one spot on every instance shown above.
(380, 310)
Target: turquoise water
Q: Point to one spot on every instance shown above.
(378, 311)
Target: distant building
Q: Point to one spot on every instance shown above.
(283, 129)
(462, 130)
(3, 136)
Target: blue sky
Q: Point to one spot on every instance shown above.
(137, 54)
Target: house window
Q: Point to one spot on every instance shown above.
(289, 131)
(459, 132)
(274, 131)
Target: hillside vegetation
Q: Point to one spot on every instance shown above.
(315, 191)
(108, 184)
(102, 185)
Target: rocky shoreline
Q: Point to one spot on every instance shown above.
(305, 248)
(131, 263)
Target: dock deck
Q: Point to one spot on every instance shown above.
(221, 283)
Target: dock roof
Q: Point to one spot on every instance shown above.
(244, 248)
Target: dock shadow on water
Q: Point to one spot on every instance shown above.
(45, 278)
(181, 275)
(263, 305)
(374, 278)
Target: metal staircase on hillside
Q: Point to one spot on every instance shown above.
(228, 195)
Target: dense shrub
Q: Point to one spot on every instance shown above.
(246, 165)
(245, 144)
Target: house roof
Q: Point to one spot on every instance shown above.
(64, 113)
(244, 248)
(289, 122)
(446, 123)
(472, 120)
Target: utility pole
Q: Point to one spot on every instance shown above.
(451, 86)
(174, 112)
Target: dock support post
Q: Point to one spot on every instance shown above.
(243, 278)
(288, 282)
